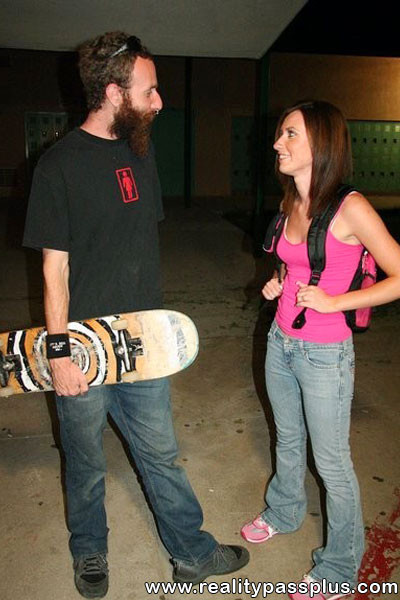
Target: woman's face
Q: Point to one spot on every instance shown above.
(293, 147)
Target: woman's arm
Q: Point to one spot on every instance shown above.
(360, 222)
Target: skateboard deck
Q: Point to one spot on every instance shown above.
(119, 348)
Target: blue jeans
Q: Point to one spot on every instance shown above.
(142, 412)
(310, 387)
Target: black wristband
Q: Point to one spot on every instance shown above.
(57, 345)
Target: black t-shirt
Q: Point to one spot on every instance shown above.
(96, 200)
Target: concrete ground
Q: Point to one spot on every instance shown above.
(223, 424)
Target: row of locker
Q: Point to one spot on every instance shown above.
(375, 139)
(375, 149)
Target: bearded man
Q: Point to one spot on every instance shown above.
(94, 209)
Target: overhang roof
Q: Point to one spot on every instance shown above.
(203, 28)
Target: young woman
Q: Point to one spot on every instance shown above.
(310, 371)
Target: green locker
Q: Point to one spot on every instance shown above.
(376, 165)
(43, 129)
(168, 134)
(242, 155)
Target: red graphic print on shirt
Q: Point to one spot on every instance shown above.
(127, 185)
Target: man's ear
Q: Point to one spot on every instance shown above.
(114, 94)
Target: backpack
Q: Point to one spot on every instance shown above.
(358, 319)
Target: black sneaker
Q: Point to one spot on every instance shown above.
(91, 575)
(224, 559)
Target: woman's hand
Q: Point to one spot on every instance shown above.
(272, 289)
(312, 296)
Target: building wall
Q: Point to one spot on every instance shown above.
(221, 89)
(49, 82)
(32, 81)
(363, 87)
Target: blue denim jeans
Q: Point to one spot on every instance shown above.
(142, 412)
(310, 387)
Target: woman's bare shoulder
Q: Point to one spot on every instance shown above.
(356, 206)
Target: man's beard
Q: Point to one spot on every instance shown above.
(134, 125)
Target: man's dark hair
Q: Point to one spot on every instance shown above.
(104, 60)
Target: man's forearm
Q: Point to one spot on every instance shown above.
(56, 292)
(68, 379)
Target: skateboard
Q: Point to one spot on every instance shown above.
(119, 348)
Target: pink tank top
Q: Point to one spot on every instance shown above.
(341, 263)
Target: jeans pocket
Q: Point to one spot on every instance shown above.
(323, 358)
(272, 330)
(352, 361)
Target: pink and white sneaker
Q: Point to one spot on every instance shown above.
(257, 531)
(308, 590)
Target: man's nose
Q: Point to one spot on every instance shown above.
(157, 103)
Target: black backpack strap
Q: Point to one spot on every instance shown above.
(274, 232)
(316, 253)
(316, 240)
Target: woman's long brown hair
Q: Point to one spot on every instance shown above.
(331, 150)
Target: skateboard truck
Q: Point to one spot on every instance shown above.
(133, 348)
(7, 364)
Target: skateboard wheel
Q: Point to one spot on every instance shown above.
(129, 377)
(6, 391)
(119, 324)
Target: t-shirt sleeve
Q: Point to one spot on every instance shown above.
(47, 223)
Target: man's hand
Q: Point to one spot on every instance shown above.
(68, 379)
